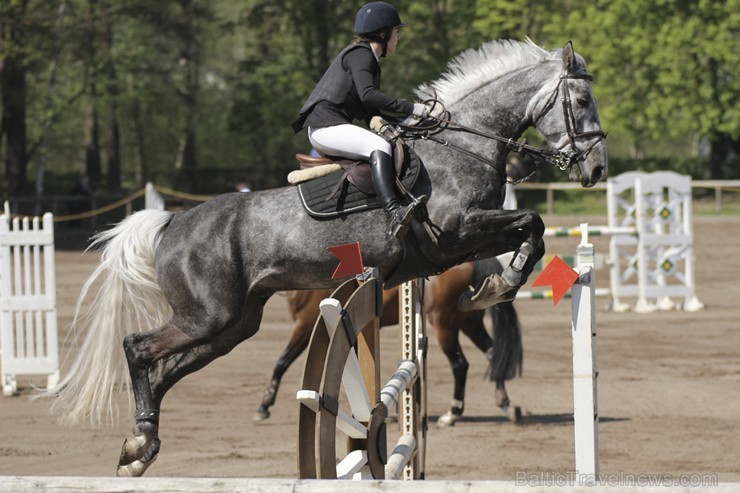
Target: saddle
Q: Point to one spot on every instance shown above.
(341, 187)
(331, 187)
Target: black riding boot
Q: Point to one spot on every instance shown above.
(398, 217)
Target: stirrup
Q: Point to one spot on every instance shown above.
(402, 217)
(398, 223)
(398, 230)
(419, 205)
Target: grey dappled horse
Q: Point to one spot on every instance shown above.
(181, 289)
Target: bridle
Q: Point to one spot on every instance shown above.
(570, 119)
(560, 158)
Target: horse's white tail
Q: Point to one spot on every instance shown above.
(128, 299)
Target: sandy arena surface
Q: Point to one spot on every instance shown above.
(669, 393)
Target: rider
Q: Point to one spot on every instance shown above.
(350, 90)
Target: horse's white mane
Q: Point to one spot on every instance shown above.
(473, 68)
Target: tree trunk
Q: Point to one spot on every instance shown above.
(114, 135)
(721, 149)
(46, 126)
(92, 141)
(114, 150)
(186, 152)
(92, 145)
(186, 156)
(136, 127)
(13, 82)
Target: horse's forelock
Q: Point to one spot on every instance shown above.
(473, 68)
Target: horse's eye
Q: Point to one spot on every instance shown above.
(583, 103)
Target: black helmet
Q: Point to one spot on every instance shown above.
(375, 16)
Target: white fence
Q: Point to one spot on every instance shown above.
(28, 316)
(651, 245)
(657, 263)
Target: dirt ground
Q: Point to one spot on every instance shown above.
(669, 393)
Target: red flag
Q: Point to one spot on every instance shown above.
(350, 260)
(559, 275)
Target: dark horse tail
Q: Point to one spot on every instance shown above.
(507, 354)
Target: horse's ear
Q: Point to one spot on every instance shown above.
(569, 58)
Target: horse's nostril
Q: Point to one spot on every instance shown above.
(597, 174)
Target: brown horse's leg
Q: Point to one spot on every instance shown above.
(447, 336)
(304, 309)
(297, 344)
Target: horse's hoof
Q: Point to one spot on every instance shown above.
(135, 469)
(447, 419)
(492, 291)
(133, 449)
(515, 414)
(261, 414)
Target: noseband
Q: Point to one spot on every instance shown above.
(562, 159)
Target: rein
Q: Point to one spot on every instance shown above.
(559, 158)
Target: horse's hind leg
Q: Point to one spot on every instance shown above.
(159, 359)
(142, 350)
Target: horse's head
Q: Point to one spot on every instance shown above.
(564, 112)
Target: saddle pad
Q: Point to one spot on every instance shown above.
(347, 198)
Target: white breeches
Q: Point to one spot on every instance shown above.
(347, 140)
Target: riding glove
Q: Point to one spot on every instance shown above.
(421, 111)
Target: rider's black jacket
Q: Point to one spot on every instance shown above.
(349, 90)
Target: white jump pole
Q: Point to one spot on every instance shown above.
(585, 404)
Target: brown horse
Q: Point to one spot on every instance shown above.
(503, 350)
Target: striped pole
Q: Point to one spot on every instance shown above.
(547, 294)
(592, 230)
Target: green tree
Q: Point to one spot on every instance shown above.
(666, 70)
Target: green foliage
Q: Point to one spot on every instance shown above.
(233, 74)
(665, 70)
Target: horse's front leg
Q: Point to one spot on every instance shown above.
(493, 232)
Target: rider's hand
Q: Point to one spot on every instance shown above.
(421, 111)
(410, 121)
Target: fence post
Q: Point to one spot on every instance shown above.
(585, 402)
